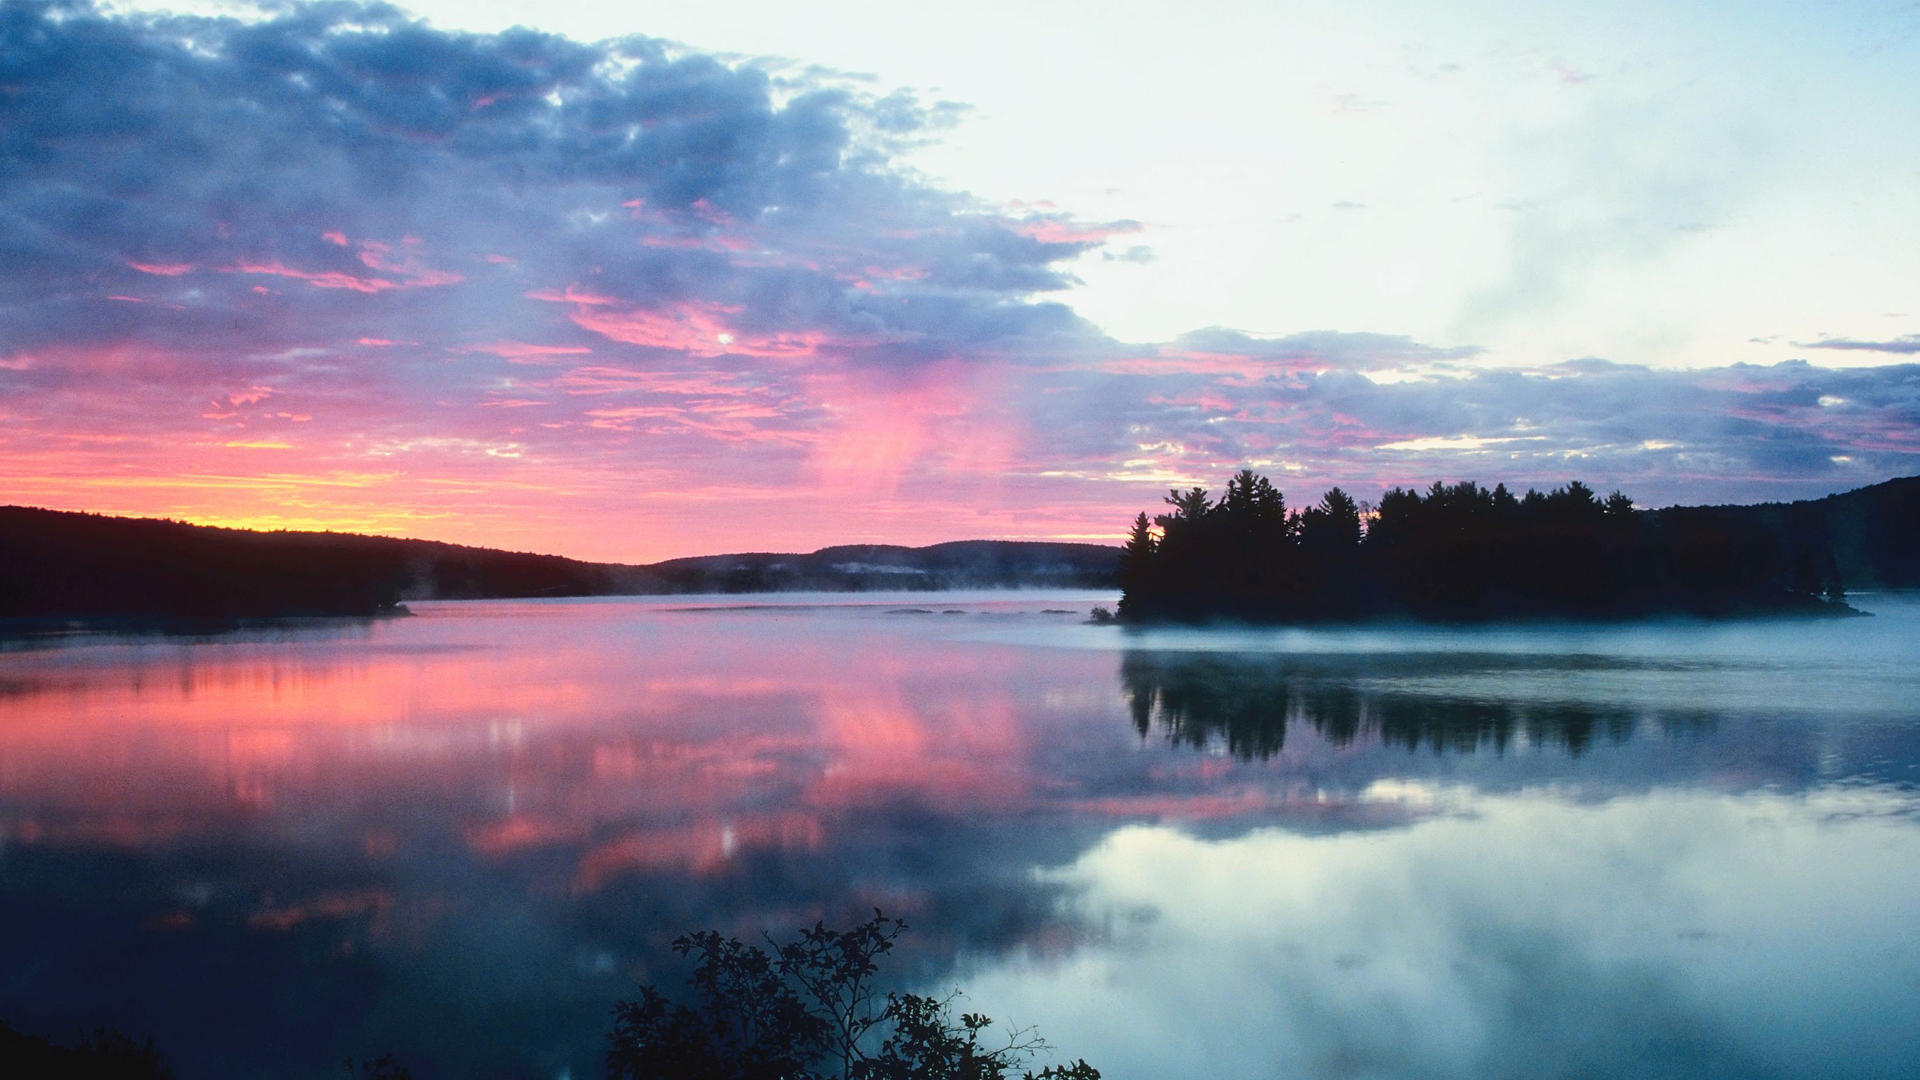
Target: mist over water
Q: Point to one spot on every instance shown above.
(1659, 849)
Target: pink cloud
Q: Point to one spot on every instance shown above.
(1060, 230)
(318, 279)
(521, 352)
(697, 329)
(606, 379)
(409, 265)
(162, 269)
(737, 421)
(623, 418)
(252, 395)
(572, 294)
(710, 242)
(711, 212)
(1201, 400)
(408, 270)
(427, 279)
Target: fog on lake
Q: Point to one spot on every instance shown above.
(1641, 850)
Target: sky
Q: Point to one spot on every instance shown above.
(632, 281)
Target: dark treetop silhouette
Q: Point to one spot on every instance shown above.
(1462, 552)
(808, 1010)
(104, 1055)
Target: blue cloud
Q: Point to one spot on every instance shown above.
(1907, 344)
(217, 146)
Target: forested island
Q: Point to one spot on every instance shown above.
(1466, 553)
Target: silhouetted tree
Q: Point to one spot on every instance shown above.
(1136, 560)
(1252, 502)
(1188, 519)
(1334, 524)
(808, 1010)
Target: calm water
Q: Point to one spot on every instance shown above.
(1652, 851)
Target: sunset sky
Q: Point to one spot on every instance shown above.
(636, 280)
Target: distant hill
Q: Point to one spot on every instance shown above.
(961, 564)
(64, 565)
(71, 565)
(1873, 532)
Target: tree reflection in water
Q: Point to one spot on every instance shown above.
(1247, 701)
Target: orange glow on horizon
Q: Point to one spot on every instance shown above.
(233, 503)
(610, 461)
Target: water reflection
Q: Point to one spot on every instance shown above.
(1245, 702)
(461, 836)
(1663, 935)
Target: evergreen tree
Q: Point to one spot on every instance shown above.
(1137, 564)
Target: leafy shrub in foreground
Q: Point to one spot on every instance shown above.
(809, 1010)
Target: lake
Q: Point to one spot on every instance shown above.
(1647, 850)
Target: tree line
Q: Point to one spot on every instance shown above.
(60, 565)
(1461, 552)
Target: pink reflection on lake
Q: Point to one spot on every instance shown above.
(643, 735)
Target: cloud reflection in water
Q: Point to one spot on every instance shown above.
(1672, 934)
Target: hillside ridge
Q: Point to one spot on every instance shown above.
(68, 564)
